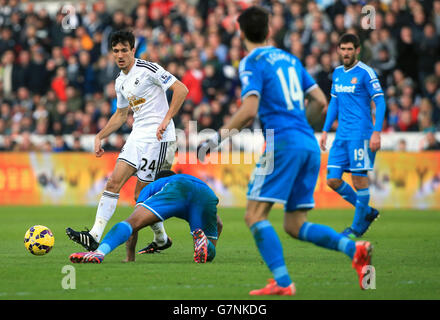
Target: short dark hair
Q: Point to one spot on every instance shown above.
(349, 38)
(164, 173)
(254, 22)
(122, 36)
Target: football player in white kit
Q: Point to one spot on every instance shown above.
(141, 85)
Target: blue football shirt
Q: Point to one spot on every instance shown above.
(353, 89)
(154, 187)
(281, 82)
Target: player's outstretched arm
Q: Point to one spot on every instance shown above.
(375, 143)
(319, 97)
(115, 122)
(180, 92)
(241, 118)
(332, 113)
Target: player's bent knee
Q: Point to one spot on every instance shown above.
(360, 182)
(334, 183)
(293, 222)
(250, 218)
(141, 217)
(293, 230)
(112, 185)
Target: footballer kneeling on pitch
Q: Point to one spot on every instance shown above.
(170, 195)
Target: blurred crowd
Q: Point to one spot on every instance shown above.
(57, 73)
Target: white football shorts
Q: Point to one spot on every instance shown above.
(148, 158)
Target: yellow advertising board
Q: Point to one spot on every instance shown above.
(399, 180)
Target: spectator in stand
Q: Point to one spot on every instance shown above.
(432, 144)
(6, 73)
(8, 144)
(407, 53)
(21, 70)
(76, 146)
(384, 64)
(189, 36)
(408, 115)
(59, 84)
(37, 73)
(401, 145)
(212, 81)
(428, 51)
(193, 78)
(25, 143)
(425, 115)
(430, 88)
(60, 145)
(406, 123)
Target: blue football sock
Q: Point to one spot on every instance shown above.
(115, 237)
(271, 250)
(362, 208)
(347, 193)
(326, 237)
(211, 251)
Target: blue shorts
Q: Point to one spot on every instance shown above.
(291, 181)
(353, 156)
(195, 203)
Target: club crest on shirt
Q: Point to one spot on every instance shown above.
(136, 83)
(354, 80)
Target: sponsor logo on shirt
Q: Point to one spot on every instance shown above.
(135, 102)
(345, 89)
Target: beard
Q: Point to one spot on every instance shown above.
(348, 63)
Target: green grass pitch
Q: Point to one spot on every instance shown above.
(406, 259)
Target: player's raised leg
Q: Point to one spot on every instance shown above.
(106, 208)
(364, 215)
(296, 225)
(205, 225)
(338, 160)
(270, 248)
(117, 235)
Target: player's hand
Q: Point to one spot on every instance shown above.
(99, 151)
(375, 141)
(323, 141)
(207, 146)
(161, 129)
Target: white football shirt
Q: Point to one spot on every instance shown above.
(143, 89)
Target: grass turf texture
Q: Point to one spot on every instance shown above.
(406, 260)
